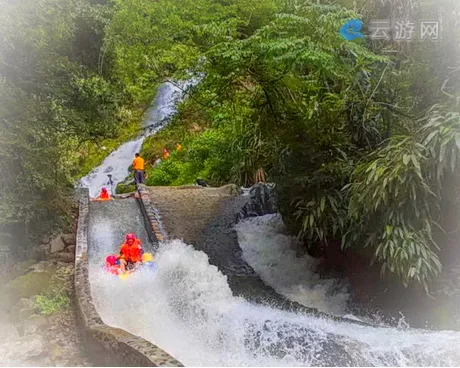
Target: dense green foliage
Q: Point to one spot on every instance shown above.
(344, 129)
(59, 106)
(360, 137)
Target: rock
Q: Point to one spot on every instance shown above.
(33, 325)
(57, 244)
(24, 303)
(23, 309)
(68, 239)
(26, 350)
(231, 189)
(46, 239)
(8, 332)
(261, 201)
(20, 268)
(40, 252)
(71, 249)
(32, 283)
(42, 266)
(65, 257)
(55, 351)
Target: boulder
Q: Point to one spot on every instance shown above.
(42, 266)
(71, 249)
(46, 239)
(23, 309)
(56, 351)
(39, 252)
(231, 189)
(261, 201)
(57, 244)
(69, 239)
(65, 257)
(33, 325)
(34, 282)
(20, 268)
(8, 332)
(25, 351)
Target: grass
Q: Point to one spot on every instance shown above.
(48, 305)
(185, 126)
(123, 188)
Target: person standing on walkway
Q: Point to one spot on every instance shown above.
(138, 167)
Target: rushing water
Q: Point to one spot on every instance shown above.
(272, 254)
(118, 162)
(187, 308)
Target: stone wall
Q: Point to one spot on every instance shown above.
(105, 345)
(151, 213)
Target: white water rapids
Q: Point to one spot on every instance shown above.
(272, 255)
(187, 307)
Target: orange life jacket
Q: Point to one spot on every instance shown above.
(132, 253)
(104, 196)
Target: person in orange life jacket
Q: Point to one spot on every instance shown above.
(165, 153)
(104, 195)
(130, 253)
(112, 265)
(138, 167)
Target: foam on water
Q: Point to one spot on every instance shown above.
(272, 254)
(187, 308)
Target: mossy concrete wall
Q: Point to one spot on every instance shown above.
(105, 345)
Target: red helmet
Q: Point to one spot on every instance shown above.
(104, 189)
(130, 236)
(111, 260)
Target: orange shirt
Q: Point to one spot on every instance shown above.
(138, 163)
(131, 253)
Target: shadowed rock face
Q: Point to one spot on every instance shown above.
(261, 201)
